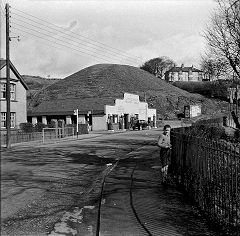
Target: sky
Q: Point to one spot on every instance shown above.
(61, 37)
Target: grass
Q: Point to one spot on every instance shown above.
(112, 80)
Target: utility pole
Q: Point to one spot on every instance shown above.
(8, 95)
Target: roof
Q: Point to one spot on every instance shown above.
(67, 106)
(14, 70)
(184, 69)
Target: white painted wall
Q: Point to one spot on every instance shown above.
(19, 106)
(131, 105)
(99, 122)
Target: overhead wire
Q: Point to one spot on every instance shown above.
(21, 30)
(106, 47)
(77, 34)
(95, 46)
(72, 41)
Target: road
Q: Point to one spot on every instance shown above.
(54, 189)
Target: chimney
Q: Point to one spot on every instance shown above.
(182, 65)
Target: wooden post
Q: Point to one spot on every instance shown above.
(8, 94)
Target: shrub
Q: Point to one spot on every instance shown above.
(208, 131)
(237, 135)
(26, 127)
(52, 124)
(39, 127)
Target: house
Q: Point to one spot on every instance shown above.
(18, 103)
(183, 73)
(97, 112)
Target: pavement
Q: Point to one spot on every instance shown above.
(54, 189)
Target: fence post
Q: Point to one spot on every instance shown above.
(43, 135)
(63, 133)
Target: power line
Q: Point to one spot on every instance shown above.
(95, 55)
(105, 46)
(78, 42)
(51, 45)
(21, 30)
(95, 45)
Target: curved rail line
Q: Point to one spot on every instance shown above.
(132, 206)
(131, 197)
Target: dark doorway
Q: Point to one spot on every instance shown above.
(126, 123)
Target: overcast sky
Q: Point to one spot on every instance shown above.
(61, 37)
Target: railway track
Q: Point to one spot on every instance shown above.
(111, 167)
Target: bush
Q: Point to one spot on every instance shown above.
(237, 135)
(52, 124)
(39, 127)
(26, 127)
(208, 131)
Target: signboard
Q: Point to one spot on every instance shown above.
(192, 111)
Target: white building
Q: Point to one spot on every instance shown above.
(98, 113)
(18, 103)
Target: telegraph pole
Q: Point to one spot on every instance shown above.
(8, 95)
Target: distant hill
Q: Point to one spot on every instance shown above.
(36, 82)
(112, 80)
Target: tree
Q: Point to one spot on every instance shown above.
(214, 67)
(158, 66)
(223, 34)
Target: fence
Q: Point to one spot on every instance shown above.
(56, 133)
(210, 172)
(44, 136)
(19, 137)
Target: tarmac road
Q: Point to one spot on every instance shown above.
(53, 189)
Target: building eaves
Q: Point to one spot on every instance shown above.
(15, 71)
(67, 106)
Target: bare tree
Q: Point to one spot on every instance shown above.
(158, 66)
(214, 67)
(223, 34)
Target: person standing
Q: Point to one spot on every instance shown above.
(165, 151)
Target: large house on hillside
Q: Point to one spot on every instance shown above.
(183, 73)
(18, 103)
(98, 113)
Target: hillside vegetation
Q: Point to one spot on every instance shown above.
(36, 84)
(211, 89)
(112, 80)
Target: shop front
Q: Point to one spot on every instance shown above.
(128, 110)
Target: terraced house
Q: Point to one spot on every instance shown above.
(18, 104)
(183, 73)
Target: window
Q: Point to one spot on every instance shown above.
(3, 91)
(4, 119)
(12, 118)
(12, 91)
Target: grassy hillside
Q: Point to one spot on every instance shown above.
(112, 80)
(211, 89)
(36, 84)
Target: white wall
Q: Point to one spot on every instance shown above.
(19, 106)
(130, 104)
(99, 122)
